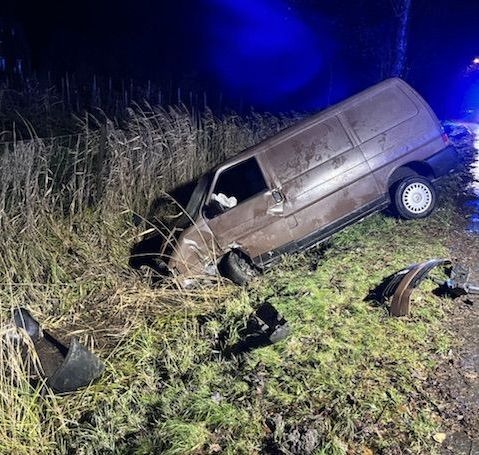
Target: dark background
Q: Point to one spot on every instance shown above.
(271, 54)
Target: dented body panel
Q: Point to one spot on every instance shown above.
(297, 188)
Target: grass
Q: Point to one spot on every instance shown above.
(348, 380)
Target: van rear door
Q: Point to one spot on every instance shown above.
(391, 124)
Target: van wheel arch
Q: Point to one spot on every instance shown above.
(412, 169)
(238, 267)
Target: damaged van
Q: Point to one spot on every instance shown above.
(380, 147)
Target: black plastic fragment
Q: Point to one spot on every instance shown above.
(264, 327)
(66, 369)
(24, 320)
(79, 368)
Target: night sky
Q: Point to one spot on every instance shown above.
(277, 54)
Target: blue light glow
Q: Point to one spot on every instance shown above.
(262, 50)
(469, 89)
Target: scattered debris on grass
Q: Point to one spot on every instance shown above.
(398, 287)
(263, 328)
(458, 284)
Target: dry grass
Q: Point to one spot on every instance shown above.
(30, 414)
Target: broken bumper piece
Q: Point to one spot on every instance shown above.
(398, 288)
(66, 369)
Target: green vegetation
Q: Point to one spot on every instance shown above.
(348, 380)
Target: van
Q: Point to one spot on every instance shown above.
(380, 147)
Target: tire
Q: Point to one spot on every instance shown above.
(414, 198)
(237, 268)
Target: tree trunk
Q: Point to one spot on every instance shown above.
(403, 12)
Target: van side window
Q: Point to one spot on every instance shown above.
(238, 183)
(380, 112)
(242, 181)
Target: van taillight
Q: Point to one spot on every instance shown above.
(445, 138)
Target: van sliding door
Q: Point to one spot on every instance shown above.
(324, 176)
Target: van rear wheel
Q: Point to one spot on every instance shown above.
(414, 198)
(237, 268)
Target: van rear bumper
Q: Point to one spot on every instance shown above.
(444, 161)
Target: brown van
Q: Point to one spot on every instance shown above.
(384, 145)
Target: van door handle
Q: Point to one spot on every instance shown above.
(277, 196)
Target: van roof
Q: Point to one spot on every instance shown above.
(324, 114)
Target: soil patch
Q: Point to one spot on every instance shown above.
(457, 380)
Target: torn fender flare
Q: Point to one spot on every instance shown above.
(401, 285)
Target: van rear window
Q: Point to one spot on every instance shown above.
(380, 112)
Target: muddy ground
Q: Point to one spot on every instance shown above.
(457, 380)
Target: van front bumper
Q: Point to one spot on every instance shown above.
(444, 161)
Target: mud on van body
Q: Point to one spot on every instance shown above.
(294, 190)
